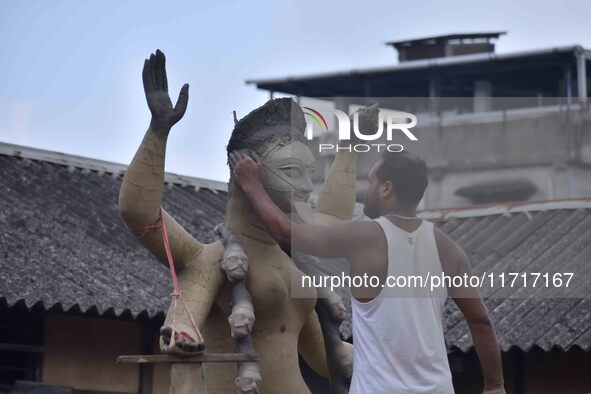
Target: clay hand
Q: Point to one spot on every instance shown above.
(184, 344)
(164, 115)
(368, 119)
(246, 168)
(335, 306)
(345, 361)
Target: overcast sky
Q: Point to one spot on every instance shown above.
(70, 71)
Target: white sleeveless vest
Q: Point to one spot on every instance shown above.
(398, 344)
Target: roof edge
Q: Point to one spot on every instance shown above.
(102, 166)
(418, 64)
(506, 209)
(488, 34)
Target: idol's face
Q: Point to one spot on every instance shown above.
(287, 174)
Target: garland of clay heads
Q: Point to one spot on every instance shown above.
(235, 265)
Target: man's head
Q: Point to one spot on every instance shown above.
(397, 180)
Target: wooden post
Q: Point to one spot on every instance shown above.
(186, 379)
(186, 372)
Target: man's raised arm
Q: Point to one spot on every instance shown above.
(334, 240)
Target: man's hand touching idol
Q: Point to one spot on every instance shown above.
(247, 169)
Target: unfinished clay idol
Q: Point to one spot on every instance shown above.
(280, 325)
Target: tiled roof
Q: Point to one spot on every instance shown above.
(63, 244)
(544, 238)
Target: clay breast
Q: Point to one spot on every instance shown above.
(269, 281)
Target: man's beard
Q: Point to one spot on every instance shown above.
(370, 208)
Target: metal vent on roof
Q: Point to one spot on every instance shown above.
(505, 190)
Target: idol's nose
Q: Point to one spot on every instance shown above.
(308, 187)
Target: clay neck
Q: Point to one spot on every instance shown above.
(242, 220)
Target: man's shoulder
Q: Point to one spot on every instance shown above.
(450, 252)
(366, 237)
(365, 228)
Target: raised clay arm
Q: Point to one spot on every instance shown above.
(143, 184)
(140, 200)
(337, 197)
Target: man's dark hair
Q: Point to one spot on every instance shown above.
(408, 174)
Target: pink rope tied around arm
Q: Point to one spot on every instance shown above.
(176, 294)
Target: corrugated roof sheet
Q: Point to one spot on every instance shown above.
(63, 244)
(535, 241)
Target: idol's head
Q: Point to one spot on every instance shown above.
(396, 180)
(275, 132)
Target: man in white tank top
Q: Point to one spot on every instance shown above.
(397, 328)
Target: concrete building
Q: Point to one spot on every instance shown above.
(491, 127)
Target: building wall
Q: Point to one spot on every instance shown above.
(549, 146)
(81, 352)
(582, 180)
